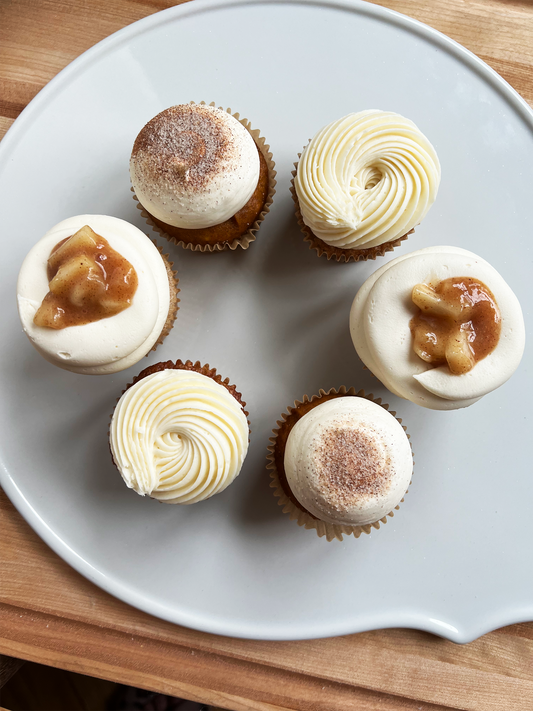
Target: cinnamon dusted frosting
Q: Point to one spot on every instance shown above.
(380, 325)
(110, 344)
(366, 179)
(178, 436)
(194, 166)
(348, 461)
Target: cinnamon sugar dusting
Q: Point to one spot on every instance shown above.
(350, 466)
(187, 145)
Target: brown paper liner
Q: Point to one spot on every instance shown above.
(275, 457)
(249, 236)
(341, 255)
(173, 282)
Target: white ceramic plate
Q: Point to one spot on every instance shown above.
(457, 558)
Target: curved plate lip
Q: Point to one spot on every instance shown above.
(421, 620)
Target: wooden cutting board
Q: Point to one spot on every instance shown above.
(52, 615)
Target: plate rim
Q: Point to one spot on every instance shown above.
(405, 618)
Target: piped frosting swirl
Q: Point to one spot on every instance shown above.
(178, 436)
(366, 179)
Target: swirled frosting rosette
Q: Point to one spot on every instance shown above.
(363, 183)
(179, 433)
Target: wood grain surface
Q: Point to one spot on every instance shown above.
(50, 614)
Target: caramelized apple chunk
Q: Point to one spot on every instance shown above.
(458, 323)
(88, 281)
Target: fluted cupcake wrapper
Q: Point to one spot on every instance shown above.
(338, 253)
(297, 512)
(173, 282)
(249, 236)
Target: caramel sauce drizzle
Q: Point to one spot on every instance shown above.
(88, 281)
(458, 324)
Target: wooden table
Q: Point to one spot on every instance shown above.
(50, 614)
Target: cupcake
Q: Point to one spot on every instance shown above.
(439, 327)
(363, 183)
(95, 295)
(340, 463)
(204, 178)
(179, 433)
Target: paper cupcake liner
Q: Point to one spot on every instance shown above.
(173, 282)
(338, 253)
(276, 452)
(248, 237)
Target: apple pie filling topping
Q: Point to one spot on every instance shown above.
(458, 323)
(88, 281)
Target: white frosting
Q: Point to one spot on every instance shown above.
(379, 325)
(379, 462)
(178, 436)
(366, 179)
(180, 184)
(111, 344)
